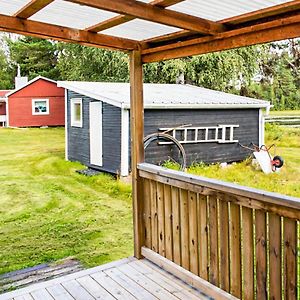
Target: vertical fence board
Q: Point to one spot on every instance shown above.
(168, 222)
(176, 226)
(290, 258)
(193, 234)
(248, 253)
(213, 232)
(184, 219)
(161, 219)
(147, 213)
(275, 255)
(224, 245)
(154, 218)
(202, 236)
(261, 256)
(235, 270)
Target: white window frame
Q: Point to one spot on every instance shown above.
(40, 113)
(75, 123)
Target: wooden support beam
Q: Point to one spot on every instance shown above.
(121, 19)
(31, 8)
(155, 14)
(137, 146)
(48, 31)
(261, 14)
(251, 35)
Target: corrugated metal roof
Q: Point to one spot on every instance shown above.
(216, 10)
(162, 95)
(77, 16)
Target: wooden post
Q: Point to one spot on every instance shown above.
(137, 146)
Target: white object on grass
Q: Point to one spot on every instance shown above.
(264, 161)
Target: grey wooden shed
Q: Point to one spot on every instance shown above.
(98, 129)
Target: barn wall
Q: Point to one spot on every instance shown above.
(2, 108)
(20, 105)
(248, 132)
(79, 139)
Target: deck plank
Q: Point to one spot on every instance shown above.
(25, 297)
(129, 279)
(112, 287)
(96, 290)
(59, 293)
(146, 283)
(131, 286)
(76, 290)
(41, 294)
(169, 281)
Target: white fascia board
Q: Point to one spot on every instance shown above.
(204, 106)
(66, 126)
(89, 94)
(261, 128)
(124, 142)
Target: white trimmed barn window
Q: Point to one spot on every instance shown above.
(76, 112)
(40, 106)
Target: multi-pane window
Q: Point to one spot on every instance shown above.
(40, 106)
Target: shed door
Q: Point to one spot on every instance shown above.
(96, 133)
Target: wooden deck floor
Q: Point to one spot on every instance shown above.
(125, 279)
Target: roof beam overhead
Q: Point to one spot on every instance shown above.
(31, 8)
(155, 14)
(65, 34)
(276, 30)
(239, 20)
(121, 19)
(263, 13)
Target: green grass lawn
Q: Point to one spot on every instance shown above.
(285, 112)
(287, 181)
(48, 212)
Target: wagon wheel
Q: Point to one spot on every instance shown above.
(166, 137)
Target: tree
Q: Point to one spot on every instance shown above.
(35, 57)
(6, 72)
(76, 62)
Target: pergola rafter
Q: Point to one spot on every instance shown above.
(155, 14)
(245, 20)
(32, 8)
(257, 34)
(121, 19)
(65, 34)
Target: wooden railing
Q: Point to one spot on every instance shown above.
(240, 239)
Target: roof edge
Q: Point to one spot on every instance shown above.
(29, 83)
(64, 84)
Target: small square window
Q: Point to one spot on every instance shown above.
(76, 112)
(40, 106)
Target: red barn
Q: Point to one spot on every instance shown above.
(3, 107)
(39, 103)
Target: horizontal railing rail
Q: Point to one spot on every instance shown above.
(240, 239)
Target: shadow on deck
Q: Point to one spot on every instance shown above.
(124, 279)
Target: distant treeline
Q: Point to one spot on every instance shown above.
(269, 72)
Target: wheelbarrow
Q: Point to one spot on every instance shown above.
(268, 164)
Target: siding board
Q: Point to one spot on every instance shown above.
(79, 138)
(247, 132)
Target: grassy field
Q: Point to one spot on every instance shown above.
(285, 113)
(48, 212)
(287, 181)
